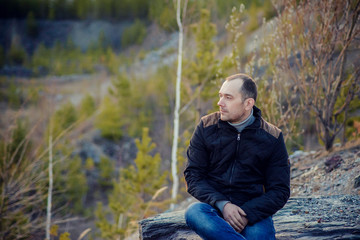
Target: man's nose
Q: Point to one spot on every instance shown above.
(220, 102)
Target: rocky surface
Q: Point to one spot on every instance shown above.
(321, 173)
(166, 226)
(331, 217)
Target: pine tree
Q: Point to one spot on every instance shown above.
(203, 69)
(134, 106)
(109, 120)
(87, 106)
(134, 194)
(63, 119)
(69, 179)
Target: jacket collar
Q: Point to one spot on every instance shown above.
(257, 112)
(255, 124)
(257, 115)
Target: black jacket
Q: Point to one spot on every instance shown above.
(249, 169)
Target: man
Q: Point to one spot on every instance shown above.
(237, 168)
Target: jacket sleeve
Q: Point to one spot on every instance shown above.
(277, 186)
(196, 170)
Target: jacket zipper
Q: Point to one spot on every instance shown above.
(237, 149)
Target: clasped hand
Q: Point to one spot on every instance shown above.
(235, 216)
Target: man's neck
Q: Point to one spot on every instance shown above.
(241, 125)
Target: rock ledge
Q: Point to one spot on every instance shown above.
(324, 217)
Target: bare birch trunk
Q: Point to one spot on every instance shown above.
(49, 198)
(175, 187)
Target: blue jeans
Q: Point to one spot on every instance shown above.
(208, 223)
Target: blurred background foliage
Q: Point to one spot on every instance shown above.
(158, 10)
(109, 107)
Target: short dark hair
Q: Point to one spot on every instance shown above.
(248, 88)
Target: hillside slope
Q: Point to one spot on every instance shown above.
(323, 173)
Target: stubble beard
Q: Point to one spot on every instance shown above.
(223, 117)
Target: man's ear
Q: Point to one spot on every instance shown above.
(249, 103)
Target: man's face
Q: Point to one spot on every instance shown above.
(232, 107)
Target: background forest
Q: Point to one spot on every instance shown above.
(88, 90)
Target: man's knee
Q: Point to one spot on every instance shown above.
(193, 211)
(199, 214)
(202, 218)
(263, 230)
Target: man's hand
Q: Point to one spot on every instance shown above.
(235, 216)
